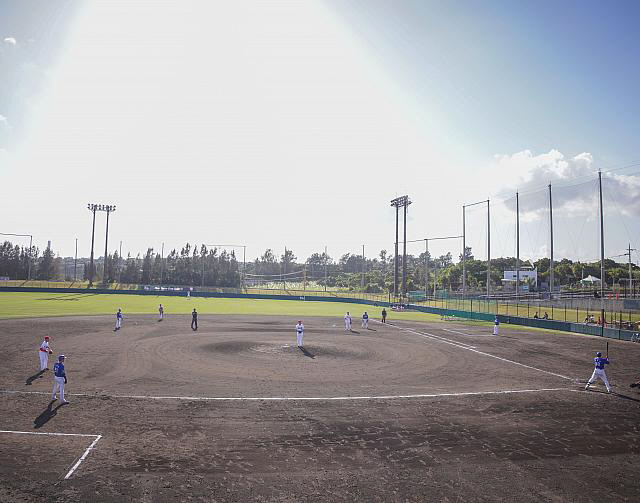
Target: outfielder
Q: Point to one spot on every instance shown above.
(365, 320)
(44, 352)
(59, 379)
(118, 320)
(384, 315)
(161, 312)
(347, 322)
(300, 332)
(496, 324)
(598, 371)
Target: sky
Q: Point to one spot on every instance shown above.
(294, 123)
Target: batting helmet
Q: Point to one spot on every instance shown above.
(598, 354)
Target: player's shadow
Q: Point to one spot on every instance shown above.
(307, 353)
(46, 415)
(33, 378)
(354, 332)
(626, 397)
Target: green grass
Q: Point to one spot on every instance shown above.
(28, 305)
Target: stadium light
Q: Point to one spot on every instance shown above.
(400, 202)
(92, 207)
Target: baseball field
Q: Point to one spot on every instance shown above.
(417, 409)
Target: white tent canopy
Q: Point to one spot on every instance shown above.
(591, 280)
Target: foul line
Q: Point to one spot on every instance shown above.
(461, 345)
(288, 398)
(80, 459)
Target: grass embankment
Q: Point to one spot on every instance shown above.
(31, 304)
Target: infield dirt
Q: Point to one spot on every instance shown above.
(236, 412)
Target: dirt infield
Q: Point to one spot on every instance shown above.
(235, 412)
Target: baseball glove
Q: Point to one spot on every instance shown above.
(65, 380)
(50, 352)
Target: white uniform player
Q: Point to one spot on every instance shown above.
(300, 332)
(161, 312)
(44, 354)
(347, 322)
(365, 320)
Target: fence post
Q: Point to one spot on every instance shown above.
(551, 311)
(528, 310)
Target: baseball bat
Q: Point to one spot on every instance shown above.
(607, 349)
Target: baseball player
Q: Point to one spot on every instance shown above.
(161, 312)
(194, 320)
(365, 320)
(598, 371)
(300, 332)
(384, 315)
(44, 352)
(496, 324)
(59, 379)
(118, 320)
(347, 322)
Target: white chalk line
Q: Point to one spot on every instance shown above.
(292, 399)
(461, 345)
(79, 460)
(467, 334)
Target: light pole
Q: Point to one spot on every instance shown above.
(401, 202)
(93, 208)
(464, 247)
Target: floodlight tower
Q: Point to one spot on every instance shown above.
(400, 202)
(93, 208)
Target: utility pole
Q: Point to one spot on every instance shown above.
(551, 271)
(363, 262)
(75, 263)
(517, 246)
(630, 270)
(92, 208)
(161, 264)
(426, 269)
(325, 268)
(601, 255)
(464, 255)
(488, 251)
(120, 261)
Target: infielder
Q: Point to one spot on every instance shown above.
(384, 315)
(365, 320)
(598, 371)
(118, 320)
(194, 320)
(347, 322)
(44, 352)
(300, 332)
(161, 312)
(496, 324)
(59, 379)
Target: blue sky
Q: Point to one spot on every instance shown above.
(294, 123)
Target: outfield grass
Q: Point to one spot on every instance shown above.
(30, 304)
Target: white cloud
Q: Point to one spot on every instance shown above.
(573, 182)
(10, 40)
(3, 120)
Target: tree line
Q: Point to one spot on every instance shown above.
(194, 265)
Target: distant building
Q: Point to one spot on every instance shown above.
(528, 279)
(69, 269)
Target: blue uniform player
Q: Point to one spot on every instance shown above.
(194, 320)
(496, 325)
(118, 320)
(365, 320)
(598, 371)
(59, 379)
